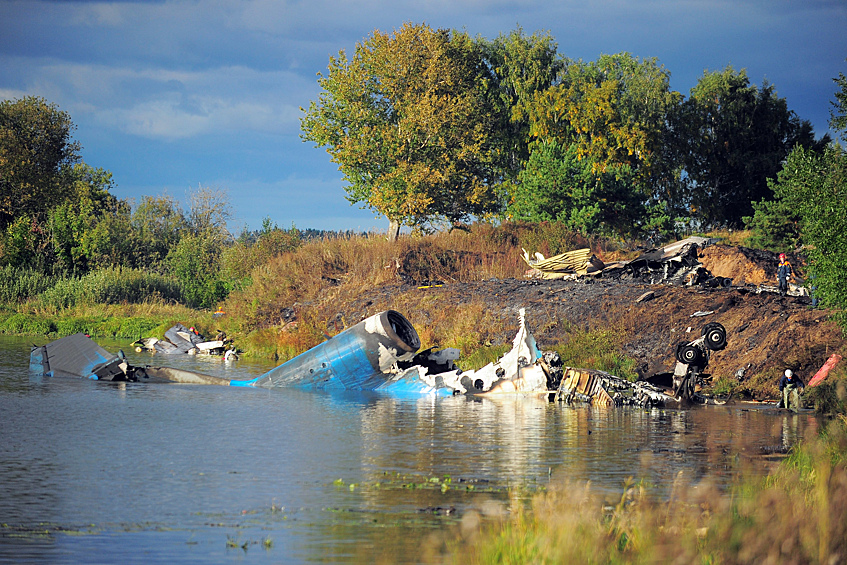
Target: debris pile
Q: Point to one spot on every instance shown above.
(182, 340)
(604, 389)
(676, 264)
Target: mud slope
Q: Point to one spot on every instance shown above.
(766, 333)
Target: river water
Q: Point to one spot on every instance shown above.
(96, 472)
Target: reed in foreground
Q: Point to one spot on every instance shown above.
(797, 514)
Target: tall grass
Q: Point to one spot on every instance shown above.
(797, 514)
(19, 284)
(125, 321)
(321, 272)
(112, 285)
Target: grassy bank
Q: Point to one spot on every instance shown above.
(797, 514)
(121, 321)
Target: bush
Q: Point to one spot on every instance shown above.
(110, 286)
(195, 263)
(70, 326)
(18, 284)
(810, 207)
(21, 324)
(597, 349)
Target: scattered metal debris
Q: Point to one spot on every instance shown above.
(649, 295)
(674, 264)
(604, 389)
(183, 340)
(793, 290)
(381, 354)
(563, 266)
(677, 263)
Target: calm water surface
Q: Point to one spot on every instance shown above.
(149, 473)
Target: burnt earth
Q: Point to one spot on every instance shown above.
(766, 333)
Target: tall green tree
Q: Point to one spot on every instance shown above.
(35, 146)
(615, 110)
(611, 116)
(157, 225)
(196, 261)
(813, 186)
(522, 66)
(810, 208)
(77, 244)
(557, 184)
(736, 136)
(410, 122)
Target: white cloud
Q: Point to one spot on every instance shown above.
(175, 104)
(167, 118)
(99, 14)
(11, 94)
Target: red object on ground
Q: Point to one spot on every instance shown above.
(824, 371)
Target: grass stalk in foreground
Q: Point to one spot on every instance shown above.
(797, 514)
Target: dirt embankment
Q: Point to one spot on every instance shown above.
(766, 333)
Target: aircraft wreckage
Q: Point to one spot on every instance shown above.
(381, 354)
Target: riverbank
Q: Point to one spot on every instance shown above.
(120, 321)
(463, 290)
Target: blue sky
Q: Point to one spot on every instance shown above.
(170, 95)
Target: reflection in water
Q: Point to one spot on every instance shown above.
(165, 473)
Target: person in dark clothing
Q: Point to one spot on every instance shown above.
(791, 386)
(783, 273)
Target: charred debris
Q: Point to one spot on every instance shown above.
(381, 354)
(187, 341)
(674, 264)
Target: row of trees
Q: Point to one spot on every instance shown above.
(429, 126)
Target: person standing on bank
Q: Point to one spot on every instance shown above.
(791, 386)
(783, 273)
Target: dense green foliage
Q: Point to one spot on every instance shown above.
(838, 112)
(20, 283)
(809, 210)
(35, 148)
(736, 136)
(428, 125)
(66, 240)
(126, 327)
(557, 185)
(111, 285)
(410, 124)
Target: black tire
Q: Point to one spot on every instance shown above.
(715, 336)
(687, 353)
